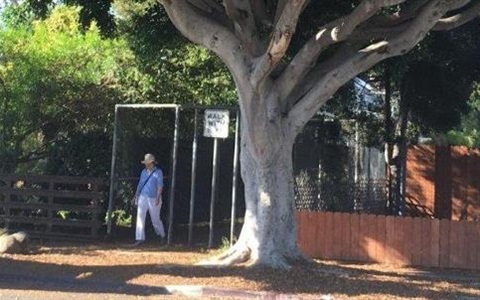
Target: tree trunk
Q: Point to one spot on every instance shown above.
(269, 233)
(269, 230)
(402, 156)
(389, 140)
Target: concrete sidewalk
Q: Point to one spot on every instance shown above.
(20, 286)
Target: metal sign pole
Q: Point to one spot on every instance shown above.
(193, 179)
(213, 192)
(112, 173)
(173, 168)
(234, 176)
(216, 126)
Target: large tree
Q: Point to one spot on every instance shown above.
(281, 90)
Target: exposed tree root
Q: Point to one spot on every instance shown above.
(234, 256)
(276, 261)
(241, 254)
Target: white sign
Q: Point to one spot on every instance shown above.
(216, 123)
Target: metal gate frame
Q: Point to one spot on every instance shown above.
(173, 165)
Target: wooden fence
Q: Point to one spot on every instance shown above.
(387, 239)
(51, 205)
(444, 182)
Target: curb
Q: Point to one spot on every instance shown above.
(206, 291)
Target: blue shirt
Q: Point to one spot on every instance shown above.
(155, 182)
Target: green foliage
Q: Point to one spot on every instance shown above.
(433, 83)
(60, 78)
(60, 86)
(90, 11)
(179, 71)
(97, 11)
(15, 14)
(468, 133)
(121, 218)
(63, 214)
(439, 82)
(225, 244)
(435, 96)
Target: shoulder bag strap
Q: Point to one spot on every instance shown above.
(140, 190)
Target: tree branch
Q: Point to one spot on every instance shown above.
(458, 19)
(207, 32)
(377, 29)
(244, 23)
(334, 32)
(367, 57)
(279, 40)
(279, 10)
(342, 54)
(260, 13)
(407, 12)
(208, 5)
(213, 9)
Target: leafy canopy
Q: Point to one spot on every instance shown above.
(54, 74)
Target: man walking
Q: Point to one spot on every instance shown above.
(148, 197)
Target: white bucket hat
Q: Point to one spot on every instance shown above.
(149, 158)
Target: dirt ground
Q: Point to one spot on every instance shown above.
(119, 271)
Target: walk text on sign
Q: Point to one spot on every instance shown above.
(216, 123)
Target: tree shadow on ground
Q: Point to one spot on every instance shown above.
(313, 278)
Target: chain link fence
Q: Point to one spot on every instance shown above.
(367, 196)
(334, 172)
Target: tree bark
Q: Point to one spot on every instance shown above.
(389, 140)
(270, 228)
(269, 233)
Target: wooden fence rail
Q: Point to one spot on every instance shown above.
(51, 205)
(387, 239)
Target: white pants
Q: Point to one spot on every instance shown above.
(144, 204)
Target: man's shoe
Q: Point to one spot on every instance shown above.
(138, 243)
(163, 240)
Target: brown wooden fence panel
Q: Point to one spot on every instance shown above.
(417, 242)
(454, 247)
(328, 232)
(475, 167)
(51, 205)
(312, 231)
(476, 246)
(372, 238)
(434, 243)
(459, 178)
(427, 242)
(362, 238)
(354, 236)
(463, 244)
(337, 236)
(471, 239)
(303, 233)
(389, 229)
(398, 245)
(381, 238)
(444, 182)
(387, 239)
(320, 234)
(444, 243)
(346, 237)
(408, 232)
(420, 179)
